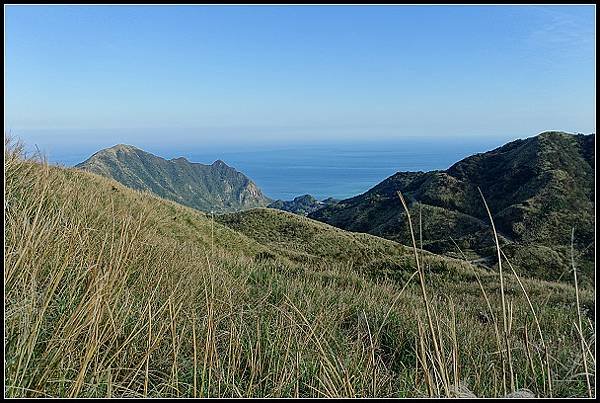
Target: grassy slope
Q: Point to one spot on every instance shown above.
(302, 239)
(114, 292)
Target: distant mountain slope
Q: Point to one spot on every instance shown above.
(217, 187)
(302, 205)
(538, 189)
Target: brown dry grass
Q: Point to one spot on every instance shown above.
(115, 293)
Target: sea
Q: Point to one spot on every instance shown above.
(338, 170)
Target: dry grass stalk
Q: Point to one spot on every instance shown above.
(580, 327)
(504, 313)
(438, 354)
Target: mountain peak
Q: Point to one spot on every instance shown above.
(115, 152)
(121, 147)
(305, 198)
(555, 134)
(220, 163)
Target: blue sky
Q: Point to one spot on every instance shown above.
(249, 75)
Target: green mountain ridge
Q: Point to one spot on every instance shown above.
(537, 189)
(302, 205)
(216, 187)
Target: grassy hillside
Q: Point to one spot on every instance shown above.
(115, 292)
(308, 241)
(217, 187)
(538, 189)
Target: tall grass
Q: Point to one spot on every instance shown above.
(111, 292)
(437, 371)
(579, 324)
(506, 354)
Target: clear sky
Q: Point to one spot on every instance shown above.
(218, 74)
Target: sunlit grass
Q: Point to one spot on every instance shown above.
(113, 292)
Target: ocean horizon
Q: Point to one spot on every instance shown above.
(339, 170)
